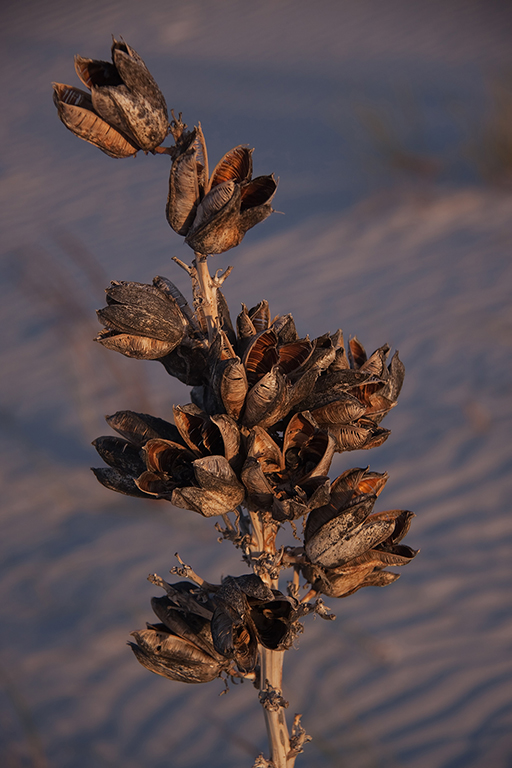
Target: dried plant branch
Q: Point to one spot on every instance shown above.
(269, 410)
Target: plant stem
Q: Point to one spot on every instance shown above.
(271, 662)
(271, 671)
(208, 291)
(271, 667)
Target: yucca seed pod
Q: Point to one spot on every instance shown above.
(344, 581)
(219, 490)
(244, 325)
(259, 492)
(138, 428)
(344, 410)
(267, 401)
(184, 191)
(260, 316)
(366, 569)
(290, 482)
(327, 544)
(362, 435)
(188, 363)
(187, 624)
(120, 454)
(173, 657)
(126, 96)
(233, 387)
(215, 214)
(247, 613)
(284, 328)
(181, 646)
(118, 481)
(76, 111)
(141, 321)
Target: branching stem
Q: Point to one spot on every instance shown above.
(208, 292)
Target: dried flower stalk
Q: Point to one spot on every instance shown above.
(268, 411)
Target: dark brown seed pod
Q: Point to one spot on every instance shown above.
(186, 624)
(376, 364)
(120, 454)
(213, 473)
(138, 307)
(354, 483)
(117, 481)
(385, 555)
(267, 402)
(187, 363)
(244, 325)
(362, 435)
(126, 96)
(340, 362)
(328, 529)
(184, 192)
(284, 328)
(343, 410)
(138, 428)
(215, 227)
(338, 582)
(167, 457)
(206, 503)
(249, 612)
(174, 657)
(260, 356)
(200, 432)
(335, 544)
(261, 447)
(123, 112)
(233, 387)
(260, 495)
(141, 321)
(230, 437)
(324, 353)
(233, 638)
(260, 316)
(395, 379)
(138, 79)
(300, 392)
(232, 204)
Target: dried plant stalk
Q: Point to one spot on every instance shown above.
(268, 411)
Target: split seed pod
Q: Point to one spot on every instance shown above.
(215, 213)
(125, 110)
(76, 111)
(141, 321)
(181, 646)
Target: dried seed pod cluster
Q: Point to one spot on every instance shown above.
(208, 631)
(123, 110)
(215, 213)
(268, 411)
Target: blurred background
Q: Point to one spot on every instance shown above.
(389, 124)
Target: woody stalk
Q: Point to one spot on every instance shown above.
(269, 409)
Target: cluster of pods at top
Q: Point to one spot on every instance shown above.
(123, 111)
(269, 410)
